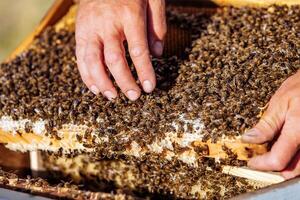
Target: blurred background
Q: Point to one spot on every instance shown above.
(18, 18)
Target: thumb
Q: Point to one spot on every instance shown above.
(268, 126)
(157, 26)
(293, 169)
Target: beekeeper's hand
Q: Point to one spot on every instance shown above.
(101, 28)
(281, 120)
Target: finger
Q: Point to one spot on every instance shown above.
(117, 64)
(93, 60)
(136, 35)
(81, 45)
(278, 158)
(285, 147)
(269, 125)
(157, 26)
(293, 168)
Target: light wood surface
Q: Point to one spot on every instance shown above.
(214, 150)
(242, 150)
(42, 187)
(266, 178)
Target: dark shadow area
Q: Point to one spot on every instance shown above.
(185, 24)
(94, 184)
(15, 162)
(185, 21)
(193, 3)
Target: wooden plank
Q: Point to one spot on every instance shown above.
(206, 149)
(41, 187)
(13, 160)
(243, 151)
(264, 177)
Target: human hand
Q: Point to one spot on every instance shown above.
(101, 28)
(282, 120)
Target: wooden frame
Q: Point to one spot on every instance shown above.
(55, 13)
(61, 7)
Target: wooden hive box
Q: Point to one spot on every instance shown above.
(62, 15)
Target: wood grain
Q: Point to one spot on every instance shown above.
(243, 151)
(214, 150)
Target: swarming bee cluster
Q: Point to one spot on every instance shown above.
(237, 60)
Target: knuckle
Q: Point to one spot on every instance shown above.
(139, 50)
(135, 6)
(268, 122)
(112, 57)
(90, 58)
(277, 164)
(110, 31)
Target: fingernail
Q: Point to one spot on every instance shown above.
(132, 95)
(147, 86)
(94, 89)
(109, 94)
(158, 48)
(249, 135)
